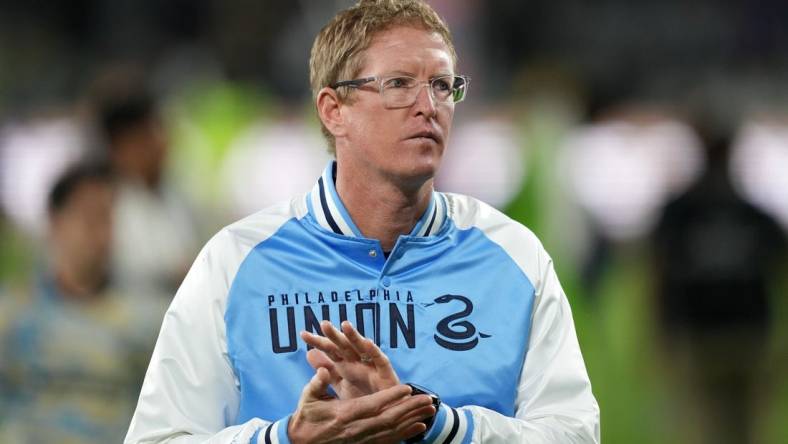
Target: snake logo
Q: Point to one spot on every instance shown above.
(455, 333)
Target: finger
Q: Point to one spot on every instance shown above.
(411, 411)
(400, 433)
(380, 359)
(420, 414)
(409, 431)
(317, 387)
(367, 347)
(339, 339)
(372, 405)
(354, 338)
(416, 407)
(393, 401)
(384, 429)
(318, 359)
(323, 344)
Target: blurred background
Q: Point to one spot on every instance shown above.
(646, 144)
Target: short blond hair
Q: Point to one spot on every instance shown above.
(336, 52)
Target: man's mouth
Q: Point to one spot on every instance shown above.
(427, 134)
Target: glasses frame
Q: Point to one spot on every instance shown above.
(358, 83)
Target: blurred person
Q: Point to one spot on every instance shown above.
(34, 150)
(72, 350)
(426, 277)
(154, 233)
(624, 165)
(716, 256)
(277, 157)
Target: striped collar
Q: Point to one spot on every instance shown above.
(326, 207)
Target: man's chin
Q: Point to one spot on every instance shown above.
(422, 154)
(417, 173)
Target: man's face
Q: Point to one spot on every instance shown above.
(82, 229)
(142, 149)
(152, 143)
(392, 142)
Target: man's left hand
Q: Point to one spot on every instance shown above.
(356, 365)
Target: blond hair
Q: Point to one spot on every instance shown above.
(337, 50)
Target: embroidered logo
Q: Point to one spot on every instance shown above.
(455, 332)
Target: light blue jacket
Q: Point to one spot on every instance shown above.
(467, 305)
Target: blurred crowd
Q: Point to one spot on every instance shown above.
(159, 122)
(77, 333)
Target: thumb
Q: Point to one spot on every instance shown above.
(317, 387)
(317, 359)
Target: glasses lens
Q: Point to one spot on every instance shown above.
(399, 91)
(442, 88)
(402, 91)
(459, 88)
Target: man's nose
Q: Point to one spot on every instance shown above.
(425, 103)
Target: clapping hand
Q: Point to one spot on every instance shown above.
(386, 417)
(356, 366)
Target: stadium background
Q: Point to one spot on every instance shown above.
(548, 78)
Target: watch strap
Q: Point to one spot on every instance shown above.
(436, 402)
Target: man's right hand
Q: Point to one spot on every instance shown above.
(356, 365)
(388, 416)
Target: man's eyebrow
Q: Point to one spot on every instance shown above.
(399, 73)
(441, 74)
(410, 74)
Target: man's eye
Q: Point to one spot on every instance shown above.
(441, 84)
(399, 82)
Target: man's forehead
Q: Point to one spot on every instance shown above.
(410, 45)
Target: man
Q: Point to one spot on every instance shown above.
(716, 257)
(72, 351)
(449, 292)
(154, 235)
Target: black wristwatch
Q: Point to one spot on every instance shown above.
(436, 402)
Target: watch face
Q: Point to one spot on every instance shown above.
(419, 390)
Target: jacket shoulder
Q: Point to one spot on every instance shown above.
(264, 223)
(519, 242)
(227, 249)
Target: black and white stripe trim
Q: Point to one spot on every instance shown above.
(326, 209)
(451, 427)
(272, 434)
(332, 215)
(433, 221)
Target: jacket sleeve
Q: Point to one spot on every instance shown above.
(190, 393)
(554, 399)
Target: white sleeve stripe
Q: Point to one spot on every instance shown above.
(469, 427)
(455, 421)
(274, 436)
(456, 427)
(447, 426)
(462, 429)
(261, 436)
(264, 436)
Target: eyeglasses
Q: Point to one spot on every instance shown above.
(401, 91)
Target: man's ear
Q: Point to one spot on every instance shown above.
(329, 111)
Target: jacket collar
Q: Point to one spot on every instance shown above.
(326, 207)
